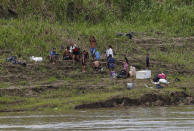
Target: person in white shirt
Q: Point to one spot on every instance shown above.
(72, 47)
(109, 51)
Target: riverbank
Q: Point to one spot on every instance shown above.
(162, 29)
(63, 87)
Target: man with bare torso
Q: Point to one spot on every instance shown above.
(92, 46)
(97, 65)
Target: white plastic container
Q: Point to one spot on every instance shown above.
(36, 59)
(130, 85)
(144, 74)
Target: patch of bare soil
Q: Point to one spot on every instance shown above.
(175, 98)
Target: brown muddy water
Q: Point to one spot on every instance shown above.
(179, 118)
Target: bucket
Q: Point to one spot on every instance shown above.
(144, 74)
(130, 85)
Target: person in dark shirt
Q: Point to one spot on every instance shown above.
(147, 61)
(110, 62)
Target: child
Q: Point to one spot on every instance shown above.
(53, 56)
(96, 63)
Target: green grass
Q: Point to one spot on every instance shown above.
(4, 84)
(38, 34)
(52, 79)
(176, 55)
(65, 99)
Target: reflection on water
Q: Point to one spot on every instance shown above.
(132, 118)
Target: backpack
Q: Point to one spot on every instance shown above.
(122, 74)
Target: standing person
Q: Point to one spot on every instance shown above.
(147, 61)
(92, 46)
(109, 51)
(53, 56)
(125, 65)
(76, 53)
(72, 47)
(111, 65)
(84, 60)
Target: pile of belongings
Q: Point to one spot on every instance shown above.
(130, 35)
(122, 74)
(13, 60)
(160, 81)
(132, 71)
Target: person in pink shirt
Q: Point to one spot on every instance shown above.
(162, 76)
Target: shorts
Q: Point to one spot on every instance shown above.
(76, 53)
(111, 66)
(54, 56)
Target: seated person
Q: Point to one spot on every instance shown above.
(67, 54)
(132, 72)
(53, 56)
(162, 76)
(97, 65)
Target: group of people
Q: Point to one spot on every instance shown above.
(75, 54)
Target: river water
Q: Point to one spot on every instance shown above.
(180, 118)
